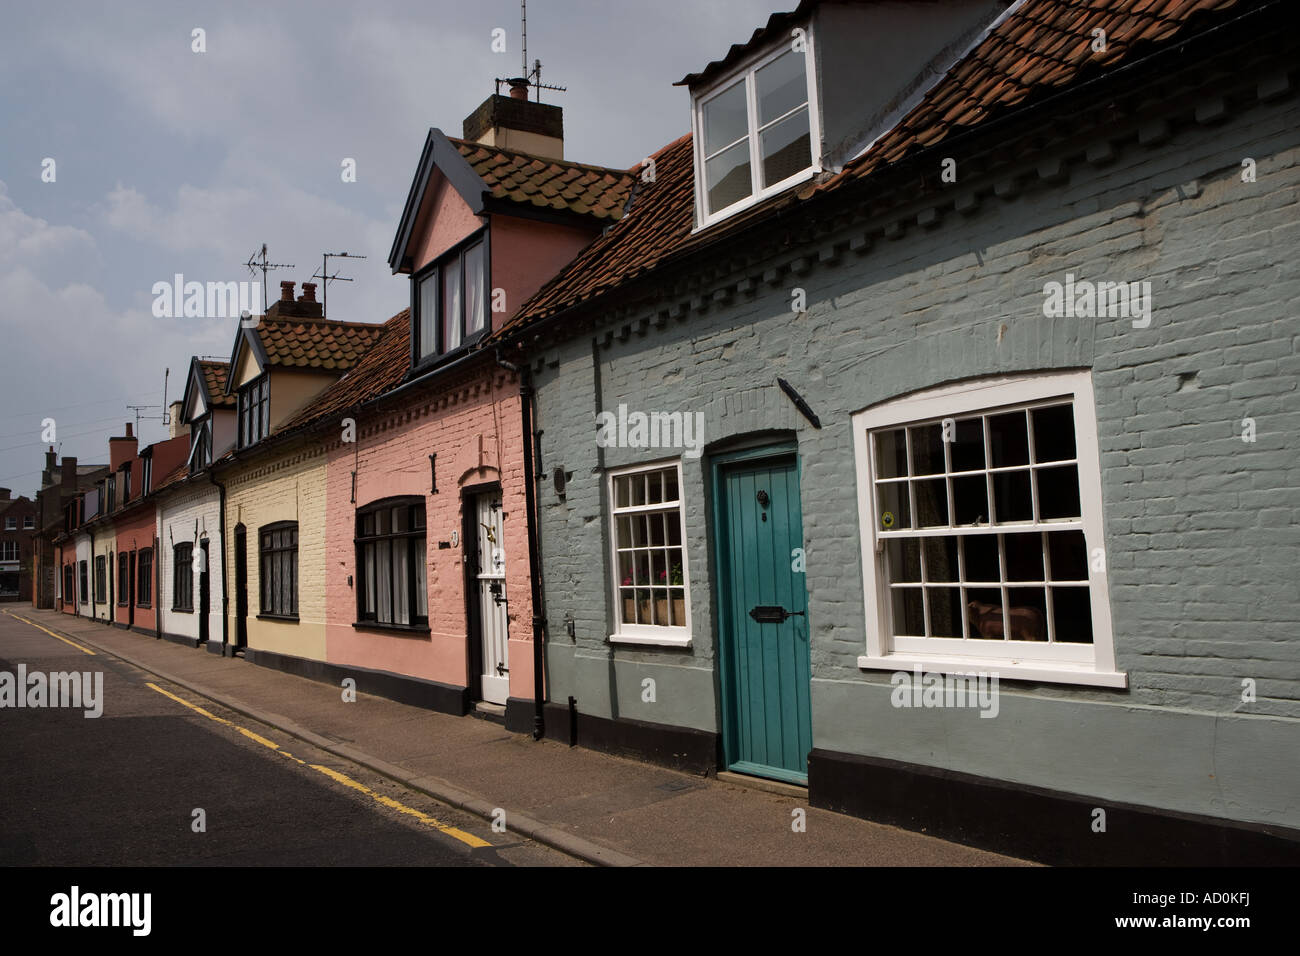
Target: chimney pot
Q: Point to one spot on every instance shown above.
(519, 89)
(286, 291)
(308, 292)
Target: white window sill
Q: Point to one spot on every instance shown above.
(753, 199)
(667, 640)
(1045, 672)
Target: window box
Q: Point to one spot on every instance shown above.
(648, 557)
(980, 514)
(756, 132)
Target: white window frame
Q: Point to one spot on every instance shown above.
(704, 217)
(29, 522)
(651, 634)
(1092, 665)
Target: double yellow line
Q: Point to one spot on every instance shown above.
(59, 637)
(461, 835)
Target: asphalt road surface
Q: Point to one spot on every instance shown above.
(122, 789)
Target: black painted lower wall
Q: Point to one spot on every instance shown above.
(431, 695)
(179, 639)
(519, 715)
(1030, 822)
(218, 648)
(681, 748)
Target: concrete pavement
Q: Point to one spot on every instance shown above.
(600, 808)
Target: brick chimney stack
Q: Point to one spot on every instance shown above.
(305, 308)
(122, 448)
(4, 494)
(68, 474)
(518, 123)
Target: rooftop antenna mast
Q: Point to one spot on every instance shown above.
(326, 278)
(253, 265)
(532, 77)
(165, 417)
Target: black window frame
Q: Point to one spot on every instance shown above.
(125, 472)
(123, 579)
(110, 494)
(146, 474)
(101, 579)
(269, 591)
(83, 574)
(254, 417)
(201, 444)
(434, 270)
(362, 538)
(144, 578)
(183, 576)
(69, 594)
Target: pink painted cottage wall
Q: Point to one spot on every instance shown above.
(474, 429)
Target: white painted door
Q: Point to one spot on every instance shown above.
(493, 622)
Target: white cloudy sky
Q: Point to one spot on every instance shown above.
(171, 161)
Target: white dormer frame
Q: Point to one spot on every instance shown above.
(744, 71)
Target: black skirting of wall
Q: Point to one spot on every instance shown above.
(431, 695)
(179, 639)
(519, 715)
(1037, 824)
(216, 647)
(681, 748)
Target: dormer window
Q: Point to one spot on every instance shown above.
(451, 301)
(254, 410)
(754, 132)
(200, 445)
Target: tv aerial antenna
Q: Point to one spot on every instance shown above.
(254, 264)
(326, 278)
(528, 77)
(165, 417)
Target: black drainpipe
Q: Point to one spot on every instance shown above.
(534, 559)
(225, 600)
(157, 585)
(90, 575)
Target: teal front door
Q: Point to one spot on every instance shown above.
(763, 623)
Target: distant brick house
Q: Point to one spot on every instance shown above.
(988, 355)
(60, 483)
(17, 538)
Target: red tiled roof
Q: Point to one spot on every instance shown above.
(382, 367)
(1042, 46)
(549, 183)
(319, 343)
(214, 380)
